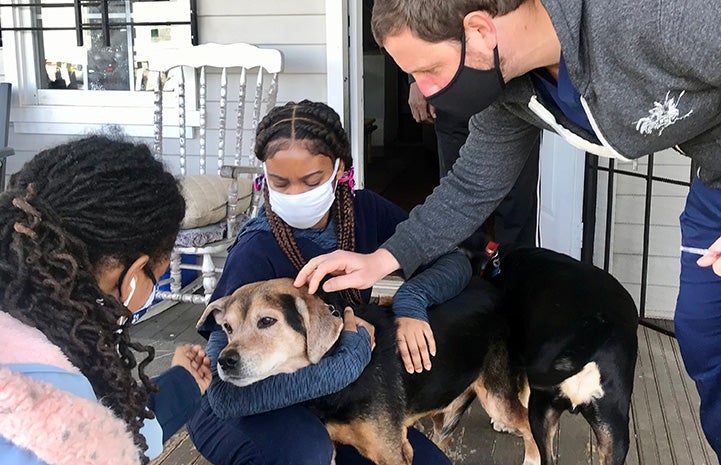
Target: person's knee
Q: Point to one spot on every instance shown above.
(291, 435)
(311, 446)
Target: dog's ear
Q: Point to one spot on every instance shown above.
(322, 326)
(216, 308)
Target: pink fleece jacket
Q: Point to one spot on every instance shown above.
(59, 427)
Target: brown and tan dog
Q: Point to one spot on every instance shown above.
(273, 328)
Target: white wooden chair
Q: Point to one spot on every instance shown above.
(216, 207)
(5, 151)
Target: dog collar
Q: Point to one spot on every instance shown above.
(491, 252)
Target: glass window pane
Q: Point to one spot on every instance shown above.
(95, 66)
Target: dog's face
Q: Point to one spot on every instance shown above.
(272, 327)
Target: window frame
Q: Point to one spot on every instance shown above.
(53, 111)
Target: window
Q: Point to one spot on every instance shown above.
(89, 53)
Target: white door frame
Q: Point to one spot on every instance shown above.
(560, 210)
(344, 60)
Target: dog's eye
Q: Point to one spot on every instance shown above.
(266, 322)
(228, 329)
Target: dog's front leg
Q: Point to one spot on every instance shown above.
(380, 441)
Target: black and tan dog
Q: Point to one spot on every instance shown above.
(573, 334)
(274, 328)
(549, 333)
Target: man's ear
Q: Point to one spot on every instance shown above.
(217, 308)
(322, 328)
(480, 31)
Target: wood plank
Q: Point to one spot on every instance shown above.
(672, 426)
(632, 457)
(644, 402)
(183, 452)
(665, 210)
(276, 7)
(662, 270)
(259, 30)
(170, 446)
(685, 441)
(574, 440)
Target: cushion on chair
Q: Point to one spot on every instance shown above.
(206, 199)
(200, 237)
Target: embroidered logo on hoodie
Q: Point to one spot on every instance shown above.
(662, 115)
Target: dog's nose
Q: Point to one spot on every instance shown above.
(229, 360)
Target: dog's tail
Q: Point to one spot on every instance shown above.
(453, 413)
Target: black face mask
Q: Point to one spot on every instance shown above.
(471, 90)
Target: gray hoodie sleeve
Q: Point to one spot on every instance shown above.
(497, 147)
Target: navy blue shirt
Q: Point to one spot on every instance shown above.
(562, 93)
(256, 256)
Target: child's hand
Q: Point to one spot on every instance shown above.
(415, 343)
(351, 322)
(194, 359)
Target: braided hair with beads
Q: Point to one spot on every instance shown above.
(69, 213)
(317, 126)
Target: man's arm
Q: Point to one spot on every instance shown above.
(492, 158)
(496, 150)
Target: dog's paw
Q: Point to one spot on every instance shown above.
(503, 428)
(529, 461)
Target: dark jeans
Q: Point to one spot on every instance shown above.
(292, 435)
(698, 309)
(514, 221)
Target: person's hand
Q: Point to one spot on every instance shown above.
(712, 259)
(421, 110)
(351, 322)
(194, 359)
(415, 344)
(352, 270)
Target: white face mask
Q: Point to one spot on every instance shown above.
(304, 210)
(137, 314)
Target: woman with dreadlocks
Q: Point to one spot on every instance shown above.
(311, 209)
(86, 229)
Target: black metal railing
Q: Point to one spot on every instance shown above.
(105, 24)
(590, 200)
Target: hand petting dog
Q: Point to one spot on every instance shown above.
(194, 359)
(415, 344)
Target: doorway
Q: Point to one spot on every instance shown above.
(400, 156)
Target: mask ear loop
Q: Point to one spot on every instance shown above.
(133, 284)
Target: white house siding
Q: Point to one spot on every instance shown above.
(295, 27)
(627, 232)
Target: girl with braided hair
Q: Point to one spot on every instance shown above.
(311, 209)
(86, 229)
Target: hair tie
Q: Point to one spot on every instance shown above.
(349, 178)
(258, 182)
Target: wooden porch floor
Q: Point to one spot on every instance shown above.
(665, 428)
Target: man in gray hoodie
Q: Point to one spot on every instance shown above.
(616, 79)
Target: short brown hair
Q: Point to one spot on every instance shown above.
(431, 20)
